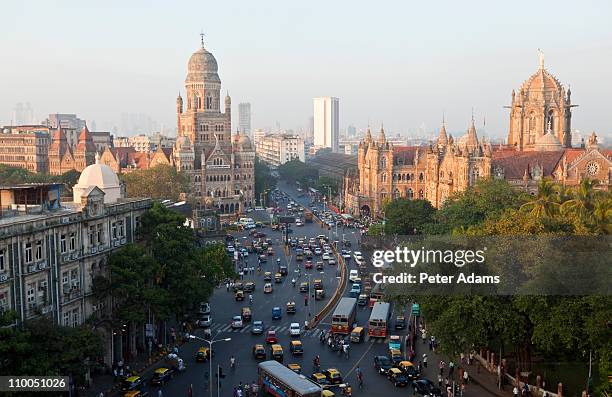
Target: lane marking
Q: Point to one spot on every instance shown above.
(360, 358)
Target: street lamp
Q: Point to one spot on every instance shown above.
(210, 358)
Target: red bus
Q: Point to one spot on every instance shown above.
(379, 320)
(376, 295)
(344, 316)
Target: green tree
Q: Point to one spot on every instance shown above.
(297, 171)
(263, 178)
(160, 182)
(408, 216)
(545, 204)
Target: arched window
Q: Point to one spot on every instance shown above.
(384, 178)
(421, 177)
(396, 194)
(383, 162)
(409, 194)
(421, 193)
(551, 121)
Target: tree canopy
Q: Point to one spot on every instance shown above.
(263, 178)
(405, 216)
(14, 175)
(159, 182)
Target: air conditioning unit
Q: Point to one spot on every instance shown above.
(47, 309)
(117, 242)
(42, 265)
(3, 277)
(74, 255)
(94, 308)
(94, 250)
(65, 219)
(123, 241)
(66, 258)
(76, 284)
(66, 289)
(32, 268)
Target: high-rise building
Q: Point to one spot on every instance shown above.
(23, 114)
(244, 117)
(25, 146)
(351, 131)
(326, 123)
(277, 149)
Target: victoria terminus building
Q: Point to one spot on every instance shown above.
(220, 165)
(538, 146)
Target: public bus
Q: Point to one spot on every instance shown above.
(344, 316)
(276, 380)
(379, 320)
(377, 294)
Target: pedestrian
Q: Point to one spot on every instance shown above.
(439, 381)
(425, 360)
(235, 392)
(160, 393)
(190, 390)
(121, 372)
(441, 366)
(239, 392)
(451, 369)
(115, 374)
(515, 392)
(471, 358)
(227, 285)
(462, 357)
(449, 391)
(466, 377)
(419, 366)
(101, 394)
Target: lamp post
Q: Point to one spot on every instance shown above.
(210, 358)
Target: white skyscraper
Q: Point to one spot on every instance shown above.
(326, 123)
(244, 117)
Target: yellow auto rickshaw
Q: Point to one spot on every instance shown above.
(357, 334)
(327, 393)
(291, 307)
(295, 368)
(202, 354)
(246, 314)
(278, 278)
(239, 295)
(277, 353)
(135, 393)
(268, 276)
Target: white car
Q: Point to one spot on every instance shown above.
(318, 251)
(357, 254)
(299, 223)
(205, 321)
(236, 322)
(249, 226)
(353, 275)
(359, 261)
(259, 208)
(326, 256)
(294, 329)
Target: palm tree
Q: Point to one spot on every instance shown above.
(545, 204)
(582, 202)
(602, 215)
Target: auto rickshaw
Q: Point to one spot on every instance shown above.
(320, 379)
(319, 294)
(327, 393)
(317, 284)
(238, 286)
(202, 354)
(357, 335)
(246, 314)
(296, 347)
(397, 377)
(291, 307)
(395, 355)
(295, 368)
(131, 383)
(239, 295)
(259, 351)
(278, 278)
(277, 353)
(268, 276)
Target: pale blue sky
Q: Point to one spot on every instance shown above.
(403, 62)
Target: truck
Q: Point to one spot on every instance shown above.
(308, 216)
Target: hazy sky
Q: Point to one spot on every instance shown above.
(402, 62)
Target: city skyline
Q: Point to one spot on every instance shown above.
(410, 75)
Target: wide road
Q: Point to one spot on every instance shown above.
(224, 307)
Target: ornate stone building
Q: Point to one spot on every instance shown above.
(221, 166)
(538, 147)
(61, 156)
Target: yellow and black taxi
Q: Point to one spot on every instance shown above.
(295, 368)
(239, 295)
(136, 393)
(132, 383)
(397, 377)
(320, 265)
(357, 334)
(303, 287)
(291, 307)
(277, 353)
(317, 284)
(333, 376)
(246, 314)
(161, 376)
(320, 378)
(268, 276)
(259, 351)
(408, 369)
(296, 348)
(396, 356)
(328, 393)
(278, 278)
(202, 354)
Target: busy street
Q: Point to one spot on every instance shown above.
(268, 313)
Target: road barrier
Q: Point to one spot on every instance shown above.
(337, 294)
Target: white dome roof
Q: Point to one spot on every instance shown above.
(548, 142)
(100, 175)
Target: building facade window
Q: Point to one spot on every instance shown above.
(28, 253)
(72, 241)
(66, 319)
(2, 264)
(63, 247)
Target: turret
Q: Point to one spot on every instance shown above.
(382, 139)
(179, 104)
(228, 104)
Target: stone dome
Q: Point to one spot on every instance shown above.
(548, 142)
(542, 81)
(242, 141)
(101, 176)
(202, 66)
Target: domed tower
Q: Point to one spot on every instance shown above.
(541, 100)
